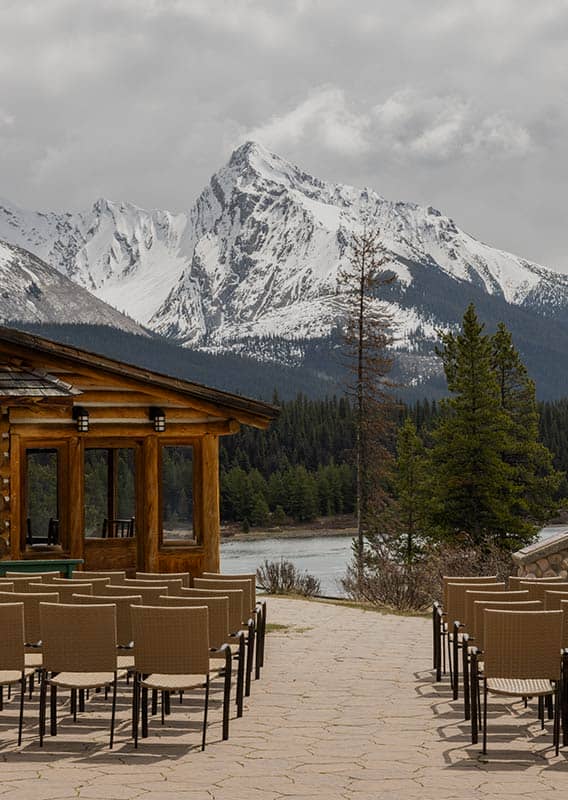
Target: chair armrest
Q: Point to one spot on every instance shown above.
(37, 645)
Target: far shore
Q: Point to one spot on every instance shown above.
(323, 526)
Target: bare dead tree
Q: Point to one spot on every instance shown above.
(368, 338)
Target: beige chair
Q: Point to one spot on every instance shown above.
(95, 582)
(114, 576)
(38, 577)
(32, 632)
(148, 594)
(247, 620)
(515, 580)
(122, 603)
(537, 589)
(521, 659)
(17, 584)
(64, 591)
(258, 609)
(12, 657)
(219, 635)
(171, 654)
(157, 576)
(172, 583)
(79, 650)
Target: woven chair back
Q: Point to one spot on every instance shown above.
(472, 579)
(455, 606)
(501, 605)
(212, 583)
(122, 604)
(78, 638)
(157, 576)
(472, 595)
(38, 577)
(7, 586)
(553, 599)
(522, 644)
(64, 591)
(95, 582)
(12, 636)
(171, 641)
(245, 576)
(19, 584)
(30, 604)
(538, 590)
(235, 597)
(515, 580)
(564, 609)
(114, 576)
(149, 594)
(171, 583)
(218, 615)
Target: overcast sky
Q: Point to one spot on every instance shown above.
(461, 104)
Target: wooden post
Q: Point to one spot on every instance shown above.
(208, 477)
(16, 520)
(74, 493)
(148, 532)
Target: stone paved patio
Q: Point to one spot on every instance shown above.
(346, 709)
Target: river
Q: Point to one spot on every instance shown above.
(326, 557)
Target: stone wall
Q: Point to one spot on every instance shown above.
(544, 559)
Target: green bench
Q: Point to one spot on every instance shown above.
(64, 565)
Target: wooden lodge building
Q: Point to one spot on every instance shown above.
(91, 449)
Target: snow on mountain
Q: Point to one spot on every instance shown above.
(32, 291)
(259, 255)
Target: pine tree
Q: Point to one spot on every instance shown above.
(474, 488)
(531, 461)
(412, 490)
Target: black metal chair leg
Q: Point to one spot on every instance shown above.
(205, 710)
(135, 708)
(455, 660)
(473, 692)
(484, 749)
(557, 696)
(113, 712)
(144, 702)
(53, 711)
(227, 692)
(42, 706)
(465, 671)
(22, 696)
(241, 675)
(250, 655)
(550, 706)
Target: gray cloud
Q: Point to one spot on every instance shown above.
(458, 103)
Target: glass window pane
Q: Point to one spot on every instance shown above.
(42, 494)
(177, 494)
(96, 490)
(125, 491)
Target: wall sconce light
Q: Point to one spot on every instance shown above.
(158, 417)
(81, 417)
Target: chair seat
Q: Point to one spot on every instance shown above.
(125, 662)
(83, 680)
(8, 676)
(520, 687)
(34, 660)
(173, 683)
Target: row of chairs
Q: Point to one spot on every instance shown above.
(78, 634)
(511, 639)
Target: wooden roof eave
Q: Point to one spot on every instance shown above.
(213, 401)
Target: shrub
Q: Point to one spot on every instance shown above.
(282, 577)
(414, 586)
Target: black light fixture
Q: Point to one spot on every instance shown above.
(158, 417)
(81, 417)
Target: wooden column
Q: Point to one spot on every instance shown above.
(74, 493)
(148, 533)
(208, 478)
(14, 491)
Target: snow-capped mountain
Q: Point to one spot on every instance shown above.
(32, 291)
(259, 255)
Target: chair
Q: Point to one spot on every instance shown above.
(522, 659)
(148, 594)
(79, 650)
(171, 583)
(95, 582)
(18, 584)
(537, 589)
(515, 580)
(32, 632)
(12, 657)
(171, 654)
(258, 608)
(115, 576)
(124, 638)
(553, 600)
(65, 592)
(118, 528)
(455, 593)
(247, 622)
(158, 576)
(35, 576)
(219, 635)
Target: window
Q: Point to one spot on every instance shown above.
(42, 496)
(110, 494)
(177, 495)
